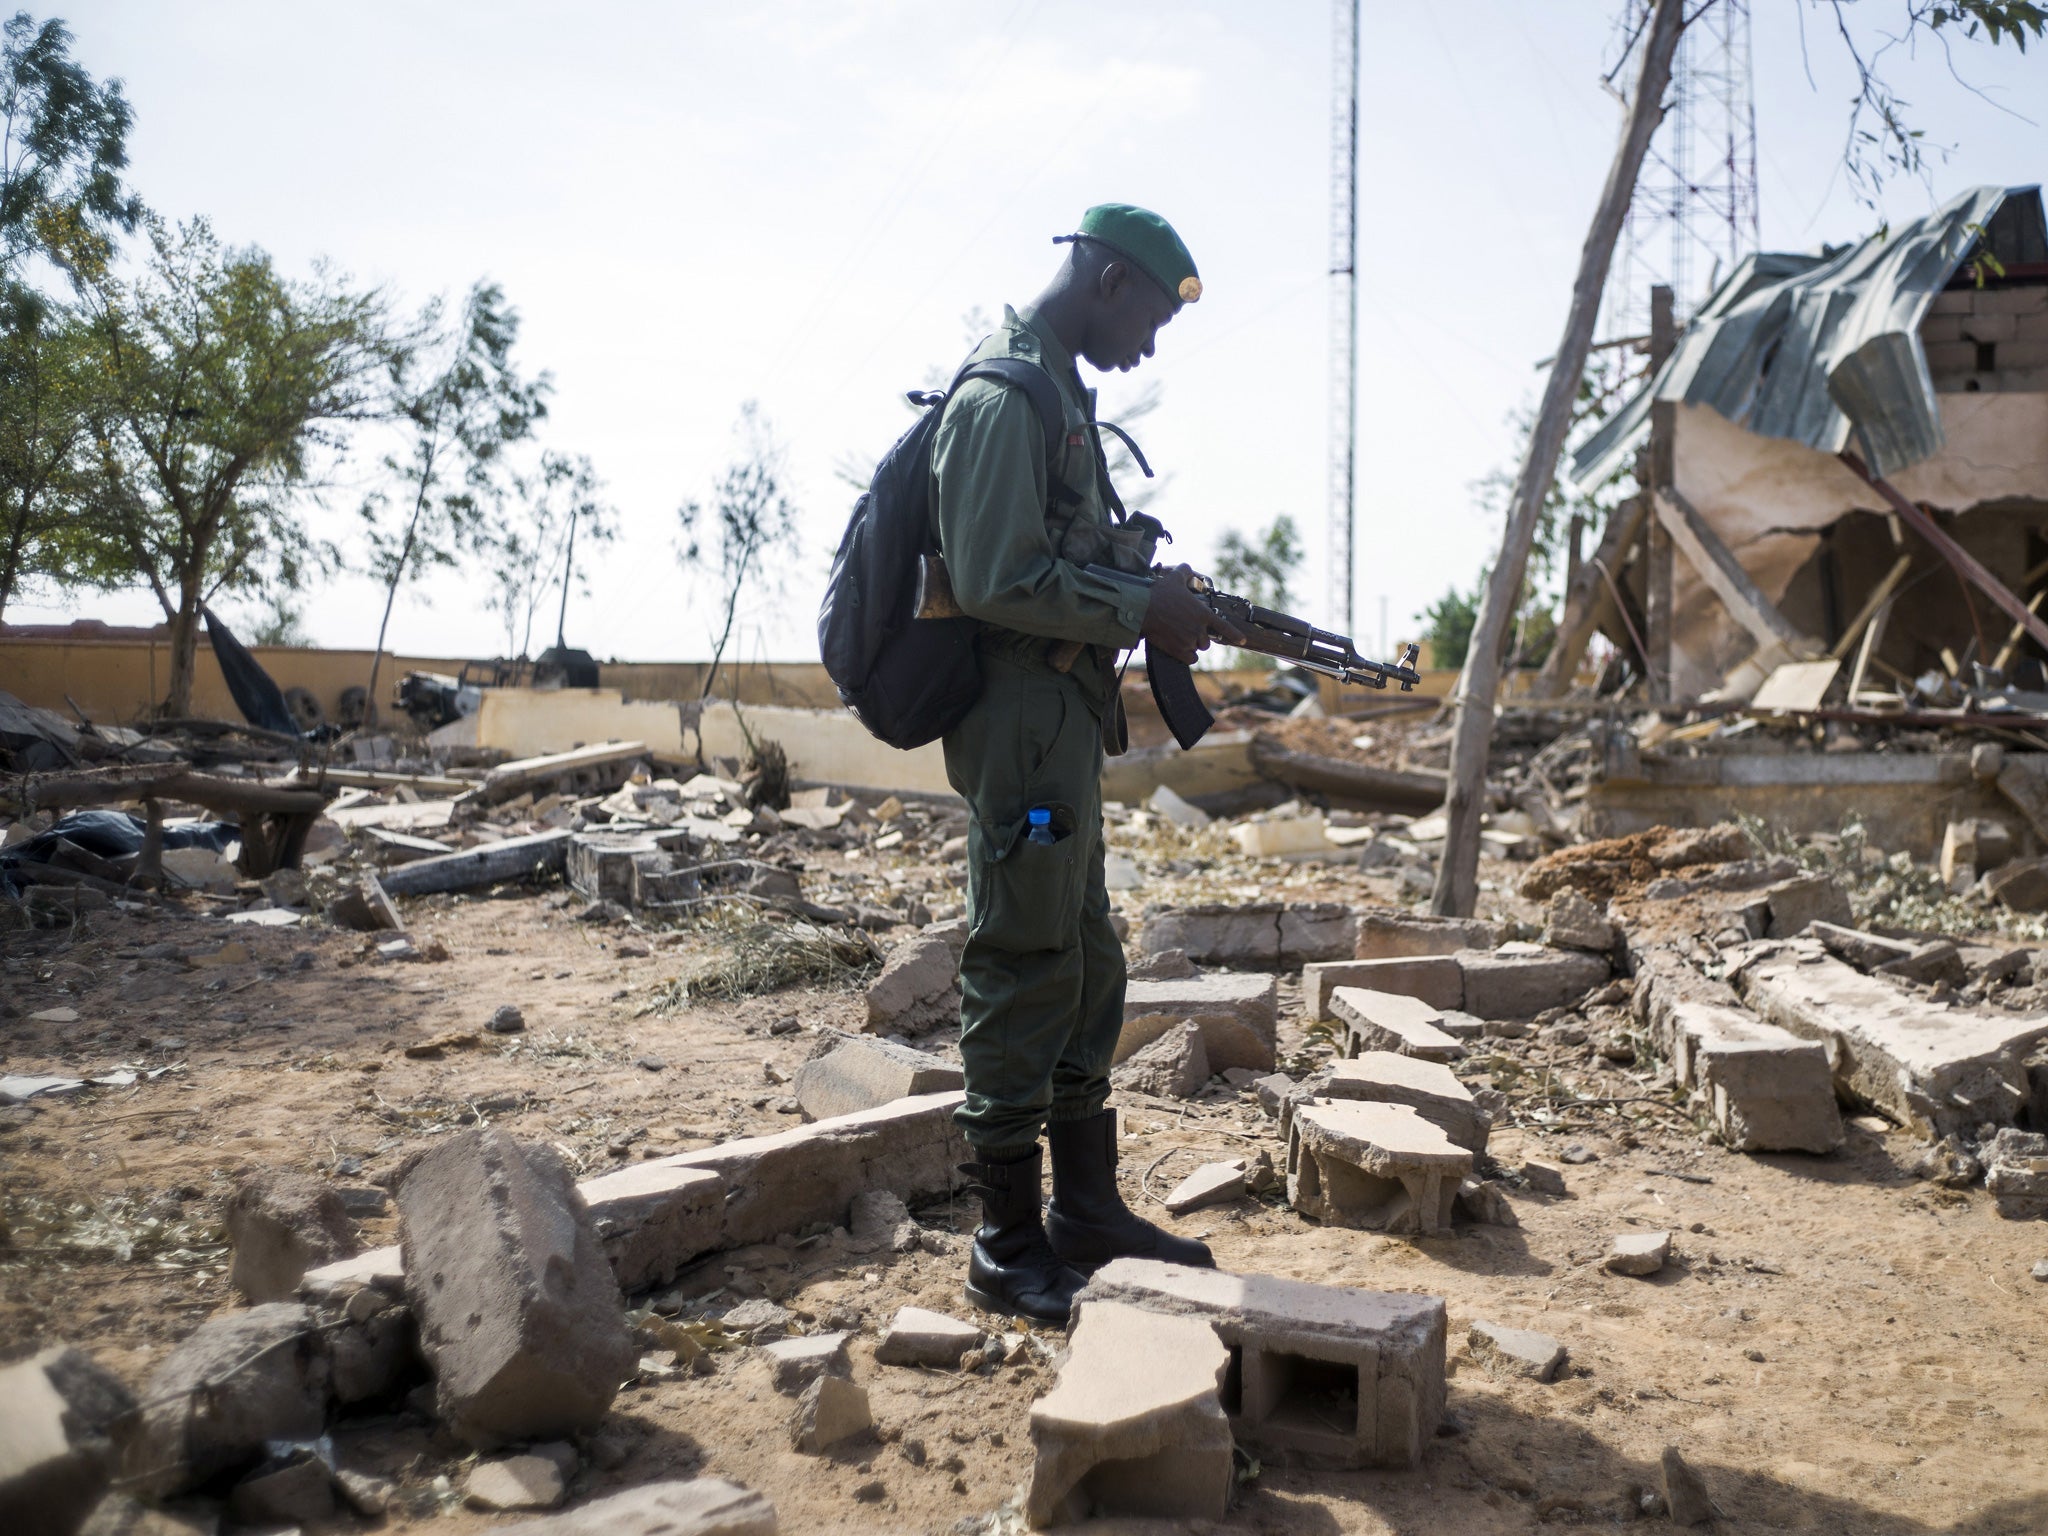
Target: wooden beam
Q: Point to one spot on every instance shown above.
(1718, 567)
(1879, 596)
(1967, 565)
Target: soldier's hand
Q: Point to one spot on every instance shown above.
(1179, 622)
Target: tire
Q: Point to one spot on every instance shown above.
(305, 709)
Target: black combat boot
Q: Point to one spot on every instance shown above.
(1012, 1268)
(1088, 1222)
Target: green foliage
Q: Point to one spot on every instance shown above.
(64, 147)
(222, 380)
(1450, 619)
(752, 519)
(1261, 568)
(281, 620)
(47, 397)
(461, 402)
(531, 541)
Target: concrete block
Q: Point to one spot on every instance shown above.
(1135, 1424)
(1406, 935)
(1272, 1091)
(1429, 1088)
(1769, 1090)
(1544, 1178)
(241, 1379)
(1377, 1166)
(653, 1218)
(1805, 899)
(1971, 847)
(1936, 960)
(1575, 923)
(2021, 885)
(853, 1074)
(702, 1506)
(518, 1312)
(1939, 1069)
(831, 1409)
(793, 1364)
(1636, 1253)
(281, 1224)
(1520, 986)
(1321, 1374)
(57, 1413)
(1865, 951)
(1485, 1202)
(372, 1351)
(1388, 1021)
(918, 987)
(1505, 1352)
(514, 1482)
(298, 1493)
(1258, 935)
(1238, 1015)
(1210, 1184)
(1432, 979)
(1175, 1066)
(1278, 839)
(334, 1285)
(785, 1182)
(2016, 1173)
(916, 1336)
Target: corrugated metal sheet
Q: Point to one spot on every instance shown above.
(1826, 349)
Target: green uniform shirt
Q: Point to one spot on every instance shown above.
(989, 489)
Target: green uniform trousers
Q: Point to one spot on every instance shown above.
(1042, 977)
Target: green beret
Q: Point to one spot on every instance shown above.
(1146, 241)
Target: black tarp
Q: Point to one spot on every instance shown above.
(256, 695)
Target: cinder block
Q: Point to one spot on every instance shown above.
(1388, 1021)
(1950, 356)
(1332, 1376)
(1381, 1167)
(1405, 935)
(1135, 1424)
(2031, 299)
(1429, 1088)
(1238, 1014)
(853, 1073)
(1505, 985)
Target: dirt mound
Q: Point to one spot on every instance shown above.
(1607, 868)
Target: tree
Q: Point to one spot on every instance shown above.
(1450, 619)
(63, 146)
(461, 402)
(1261, 568)
(549, 508)
(47, 394)
(222, 380)
(751, 518)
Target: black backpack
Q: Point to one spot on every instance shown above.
(910, 681)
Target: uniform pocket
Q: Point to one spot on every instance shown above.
(1031, 899)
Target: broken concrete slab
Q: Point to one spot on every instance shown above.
(514, 1482)
(1936, 1068)
(1238, 1014)
(1806, 899)
(2021, 885)
(282, 1224)
(1332, 1376)
(1257, 935)
(917, 1336)
(364, 907)
(918, 987)
(1381, 1167)
(878, 1219)
(333, 1286)
(241, 1379)
(1429, 1088)
(1436, 980)
(1210, 1184)
(1504, 1352)
(1175, 1066)
(831, 1409)
(2016, 1173)
(702, 1506)
(1384, 935)
(1388, 1021)
(653, 1218)
(1507, 985)
(1935, 960)
(1135, 1424)
(513, 858)
(58, 1410)
(1865, 951)
(1573, 922)
(1543, 1178)
(793, 1364)
(1636, 1253)
(1971, 847)
(293, 1493)
(518, 1312)
(850, 1073)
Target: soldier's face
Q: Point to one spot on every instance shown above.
(1128, 320)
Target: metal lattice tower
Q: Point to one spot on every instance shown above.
(1343, 305)
(1694, 214)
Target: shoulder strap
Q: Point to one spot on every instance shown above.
(1037, 385)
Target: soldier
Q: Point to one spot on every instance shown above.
(1042, 978)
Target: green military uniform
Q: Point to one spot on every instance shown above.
(1042, 978)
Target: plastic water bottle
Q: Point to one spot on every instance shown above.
(1041, 826)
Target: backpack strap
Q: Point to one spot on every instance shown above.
(1044, 396)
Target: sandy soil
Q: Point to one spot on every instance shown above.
(1838, 1347)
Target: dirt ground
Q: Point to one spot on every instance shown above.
(1837, 1346)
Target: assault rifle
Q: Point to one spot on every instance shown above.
(1266, 631)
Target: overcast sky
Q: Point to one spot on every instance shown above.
(694, 205)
